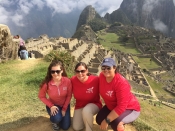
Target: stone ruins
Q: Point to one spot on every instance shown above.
(93, 54)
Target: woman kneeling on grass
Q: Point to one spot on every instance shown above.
(121, 107)
(59, 90)
(86, 93)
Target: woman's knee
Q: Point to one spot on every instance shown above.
(77, 127)
(56, 119)
(66, 126)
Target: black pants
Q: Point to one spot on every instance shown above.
(103, 113)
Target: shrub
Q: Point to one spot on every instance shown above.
(64, 56)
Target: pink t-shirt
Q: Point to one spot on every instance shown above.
(21, 42)
(117, 94)
(57, 95)
(87, 92)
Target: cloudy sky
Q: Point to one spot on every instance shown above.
(23, 7)
(58, 6)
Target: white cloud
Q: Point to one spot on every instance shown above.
(174, 2)
(18, 19)
(4, 15)
(104, 6)
(160, 26)
(149, 5)
(57, 6)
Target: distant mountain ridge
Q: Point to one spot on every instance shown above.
(158, 14)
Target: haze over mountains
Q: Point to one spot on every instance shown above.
(60, 18)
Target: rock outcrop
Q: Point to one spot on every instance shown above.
(8, 46)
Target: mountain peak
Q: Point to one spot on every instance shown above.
(88, 14)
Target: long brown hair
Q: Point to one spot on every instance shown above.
(82, 64)
(49, 76)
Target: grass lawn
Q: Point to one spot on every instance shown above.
(158, 89)
(19, 90)
(158, 117)
(145, 63)
(110, 40)
(20, 104)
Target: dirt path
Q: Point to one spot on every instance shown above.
(43, 124)
(25, 64)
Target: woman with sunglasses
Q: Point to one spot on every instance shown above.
(86, 93)
(121, 106)
(59, 90)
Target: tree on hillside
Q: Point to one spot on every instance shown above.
(97, 24)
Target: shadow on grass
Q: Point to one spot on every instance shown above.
(40, 123)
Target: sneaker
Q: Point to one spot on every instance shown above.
(55, 127)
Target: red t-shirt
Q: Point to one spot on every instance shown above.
(58, 95)
(117, 94)
(87, 92)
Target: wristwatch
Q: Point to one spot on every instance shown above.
(107, 120)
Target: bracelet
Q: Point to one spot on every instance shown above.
(107, 120)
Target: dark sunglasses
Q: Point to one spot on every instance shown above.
(105, 67)
(57, 71)
(78, 71)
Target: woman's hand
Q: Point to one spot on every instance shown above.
(103, 125)
(54, 110)
(63, 113)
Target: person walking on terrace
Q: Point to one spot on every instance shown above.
(59, 90)
(86, 93)
(121, 106)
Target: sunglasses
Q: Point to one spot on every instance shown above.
(105, 67)
(57, 71)
(78, 71)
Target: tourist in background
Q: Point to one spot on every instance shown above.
(121, 106)
(85, 89)
(59, 90)
(21, 44)
(23, 53)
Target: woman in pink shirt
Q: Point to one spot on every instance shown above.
(86, 93)
(121, 106)
(59, 90)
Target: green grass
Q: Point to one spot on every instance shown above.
(145, 63)
(158, 89)
(158, 117)
(19, 85)
(19, 91)
(20, 103)
(110, 40)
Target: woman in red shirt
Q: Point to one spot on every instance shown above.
(86, 93)
(121, 106)
(59, 90)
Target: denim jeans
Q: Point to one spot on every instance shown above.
(63, 121)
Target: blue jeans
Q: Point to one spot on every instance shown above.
(63, 121)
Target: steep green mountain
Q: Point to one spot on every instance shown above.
(158, 14)
(87, 15)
